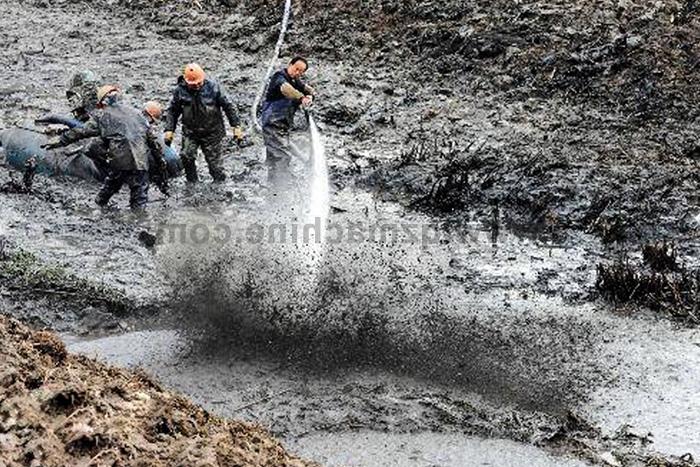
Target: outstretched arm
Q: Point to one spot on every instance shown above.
(89, 130)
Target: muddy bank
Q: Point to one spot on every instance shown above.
(47, 294)
(60, 409)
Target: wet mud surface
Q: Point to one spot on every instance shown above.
(474, 323)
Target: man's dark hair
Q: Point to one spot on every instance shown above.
(299, 58)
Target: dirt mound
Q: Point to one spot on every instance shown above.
(58, 409)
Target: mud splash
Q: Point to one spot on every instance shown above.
(383, 304)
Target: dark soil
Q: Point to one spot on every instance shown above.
(566, 116)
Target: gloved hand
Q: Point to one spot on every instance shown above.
(168, 137)
(237, 134)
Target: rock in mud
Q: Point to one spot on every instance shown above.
(147, 238)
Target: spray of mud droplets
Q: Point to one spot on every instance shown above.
(333, 305)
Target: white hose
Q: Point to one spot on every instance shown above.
(271, 67)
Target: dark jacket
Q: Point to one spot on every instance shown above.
(278, 110)
(126, 134)
(201, 111)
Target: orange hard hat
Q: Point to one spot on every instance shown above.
(193, 74)
(153, 109)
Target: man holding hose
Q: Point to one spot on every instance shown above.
(285, 94)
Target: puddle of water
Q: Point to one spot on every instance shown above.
(659, 390)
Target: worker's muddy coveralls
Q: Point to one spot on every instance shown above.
(129, 140)
(278, 119)
(202, 124)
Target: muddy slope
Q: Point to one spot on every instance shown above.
(58, 409)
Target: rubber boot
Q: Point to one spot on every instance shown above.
(218, 175)
(190, 170)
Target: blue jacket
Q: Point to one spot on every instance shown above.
(278, 110)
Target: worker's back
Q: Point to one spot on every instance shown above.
(125, 129)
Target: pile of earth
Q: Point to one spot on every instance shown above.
(58, 409)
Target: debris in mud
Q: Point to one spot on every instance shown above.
(26, 186)
(59, 409)
(29, 174)
(663, 285)
(624, 448)
(22, 273)
(147, 238)
(660, 256)
(14, 187)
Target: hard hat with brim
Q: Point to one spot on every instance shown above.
(104, 91)
(193, 74)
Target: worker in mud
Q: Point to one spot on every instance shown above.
(82, 98)
(201, 102)
(82, 94)
(126, 134)
(286, 92)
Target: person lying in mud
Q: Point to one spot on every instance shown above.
(128, 137)
(81, 94)
(286, 92)
(201, 101)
